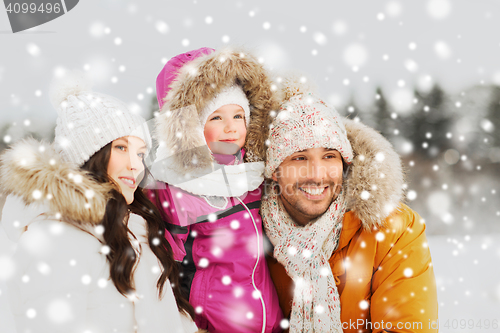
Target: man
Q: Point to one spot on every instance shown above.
(357, 256)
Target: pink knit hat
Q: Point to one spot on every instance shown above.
(171, 69)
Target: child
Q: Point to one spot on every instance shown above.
(212, 127)
(93, 261)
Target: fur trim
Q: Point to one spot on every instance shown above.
(71, 83)
(34, 171)
(178, 126)
(374, 184)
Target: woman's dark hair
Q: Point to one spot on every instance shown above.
(122, 257)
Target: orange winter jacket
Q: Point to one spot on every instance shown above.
(384, 276)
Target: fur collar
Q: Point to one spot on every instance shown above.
(178, 127)
(35, 172)
(374, 184)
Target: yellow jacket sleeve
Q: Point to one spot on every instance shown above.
(403, 291)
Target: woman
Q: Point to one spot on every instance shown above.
(97, 259)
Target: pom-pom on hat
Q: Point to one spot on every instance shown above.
(88, 121)
(304, 122)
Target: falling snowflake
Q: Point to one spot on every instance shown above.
(60, 311)
(97, 29)
(238, 292)
(86, 279)
(408, 272)
(355, 55)
(320, 38)
(412, 195)
(442, 50)
(33, 49)
(203, 263)
(31, 313)
(363, 305)
(393, 8)
(284, 324)
(339, 28)
(161, 27)
(402, 100)
(438, 9)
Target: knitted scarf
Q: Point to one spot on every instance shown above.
(304, 252)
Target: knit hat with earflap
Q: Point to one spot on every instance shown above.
(304, 122)
(88, 121)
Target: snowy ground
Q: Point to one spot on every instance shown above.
(465, 267)
(468, 284)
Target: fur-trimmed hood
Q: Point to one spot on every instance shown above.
(178, 127)
(375, 179)
(374, 183)
(36, 173)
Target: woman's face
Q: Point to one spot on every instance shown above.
(126, 166)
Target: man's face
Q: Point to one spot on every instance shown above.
(309, 181)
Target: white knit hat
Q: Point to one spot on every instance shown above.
(89, 121)
(231, 95)
(305, 122)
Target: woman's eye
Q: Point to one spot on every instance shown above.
(141, 155)
(216, 118)
(238, 116)
(300, 158)
(121, 147)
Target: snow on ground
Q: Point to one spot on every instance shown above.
(466, 270)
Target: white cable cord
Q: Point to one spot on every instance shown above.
(255, 267)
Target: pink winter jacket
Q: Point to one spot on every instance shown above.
(222, 254)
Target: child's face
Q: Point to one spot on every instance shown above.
(225, 130)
